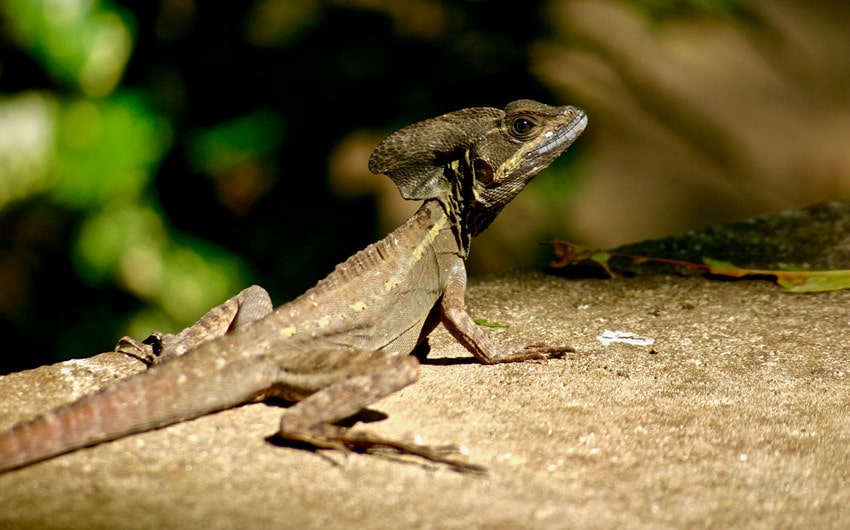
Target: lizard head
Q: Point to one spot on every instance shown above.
(477, 159)
(504, 158)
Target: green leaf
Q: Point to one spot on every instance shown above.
(488, 324)
(814, 281)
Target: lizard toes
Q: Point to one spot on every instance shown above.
(541, 350)
(319, 440)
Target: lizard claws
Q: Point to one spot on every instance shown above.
(334, 438)
(147, 350)
(544, 351)
(437, 454)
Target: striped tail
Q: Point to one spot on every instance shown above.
(179, 390)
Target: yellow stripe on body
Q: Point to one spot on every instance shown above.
(394, 281)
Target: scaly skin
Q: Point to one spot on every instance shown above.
(344, 343)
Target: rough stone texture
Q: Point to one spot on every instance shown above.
(814, 238)
(736, 416)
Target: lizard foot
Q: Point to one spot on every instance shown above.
(541, 350)
(341, 439)
(438, 454)
(535, 351)
(146, 351)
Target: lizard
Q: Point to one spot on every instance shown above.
(346, 342)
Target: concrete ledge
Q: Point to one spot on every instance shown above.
(735, 416)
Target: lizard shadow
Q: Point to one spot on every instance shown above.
(423, 349)
(449, 361)
(365, 415)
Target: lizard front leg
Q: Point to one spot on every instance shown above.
(312, 419)
(467, 332)
(251, 304)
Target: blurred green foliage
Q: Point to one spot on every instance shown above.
(82, 45)
(91, 148)
(225, 147)
(150, 151)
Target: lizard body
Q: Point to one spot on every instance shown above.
(344, 343)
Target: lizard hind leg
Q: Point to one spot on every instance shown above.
(312, 420)
(250, 305)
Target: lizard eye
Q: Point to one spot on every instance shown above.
(522, 127)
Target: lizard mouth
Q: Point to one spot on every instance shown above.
(564, 137)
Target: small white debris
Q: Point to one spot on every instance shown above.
(609, 337)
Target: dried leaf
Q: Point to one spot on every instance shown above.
(792, 280)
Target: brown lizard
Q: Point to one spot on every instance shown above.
(343, 344)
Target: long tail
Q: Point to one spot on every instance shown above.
(179, 390)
